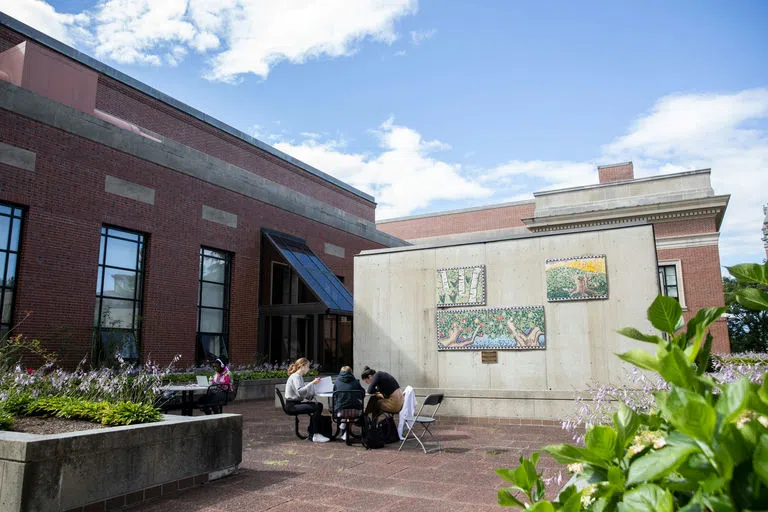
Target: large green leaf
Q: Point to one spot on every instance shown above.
(626, 422)
(567, 454)
(760, 459)
(666, 314)
(697, 327)
(647, 498)
(733, 398)
(690, 413)
(750, 272)
(641, 359)
(659, 463)
(702, 360)
(506, 499)
(676, 369)
(631, 332)
(542, 506)
(752, 298)
(601, 441)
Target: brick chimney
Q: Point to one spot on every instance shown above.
(616, 172)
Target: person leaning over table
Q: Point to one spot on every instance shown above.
(346, 381)
(298, 398)
(385, 392)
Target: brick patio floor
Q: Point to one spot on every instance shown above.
(280, 473)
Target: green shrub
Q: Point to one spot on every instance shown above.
(241, 375)
(128, 413)
(16, 403)
(705, 447)
(6, 420)
(106, 413)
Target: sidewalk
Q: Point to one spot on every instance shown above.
(280, 473)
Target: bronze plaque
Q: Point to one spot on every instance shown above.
(489, 356)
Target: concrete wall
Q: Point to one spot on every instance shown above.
(64, 471)
(395, 319)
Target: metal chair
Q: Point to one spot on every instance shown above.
(214, 399)
(294, 414)
(425, 420)
(347, 407)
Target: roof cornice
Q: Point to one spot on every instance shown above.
(713, 206)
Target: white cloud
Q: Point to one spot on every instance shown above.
(266, 33)
(238, 36)
(419, 36)
(67, 28)
(553, 174)
(724, 132)
(403, 176)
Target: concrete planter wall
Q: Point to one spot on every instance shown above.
(255, 389)
(116, 466)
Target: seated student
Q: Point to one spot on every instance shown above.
(346, 381)
(222, 377)
(298, 397)
(385, 392)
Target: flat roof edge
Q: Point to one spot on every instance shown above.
(461, 210)
(483, 239)
(623, 182)
(100, 67)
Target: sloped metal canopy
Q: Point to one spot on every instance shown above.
(315, 274)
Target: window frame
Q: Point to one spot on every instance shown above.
(227, 257)
(134, 332)
(16, 212)
(679, 276)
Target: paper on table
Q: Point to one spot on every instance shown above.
(324, 386)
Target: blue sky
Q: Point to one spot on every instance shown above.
(436, 105)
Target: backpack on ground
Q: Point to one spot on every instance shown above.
(373, 437)
(389, 430)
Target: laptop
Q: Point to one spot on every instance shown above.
(202, 380)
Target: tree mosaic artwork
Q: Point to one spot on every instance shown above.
(581, 278)
(460, 286)
(491, 329)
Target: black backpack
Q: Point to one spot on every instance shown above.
(374, 435)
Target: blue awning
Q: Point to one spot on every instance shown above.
(311, 269)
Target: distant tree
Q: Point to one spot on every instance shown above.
(747, 329)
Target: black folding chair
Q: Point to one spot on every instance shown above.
(425, 420)
(347, 407)
(294, 414)
(214, 399)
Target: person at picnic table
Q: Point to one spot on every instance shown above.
(346, 381)
(386, 395)
(223, 378)
(299, 398)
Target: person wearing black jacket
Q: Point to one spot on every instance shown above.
(346, 381)
(385, 392)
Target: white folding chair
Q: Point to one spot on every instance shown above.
(425, 420)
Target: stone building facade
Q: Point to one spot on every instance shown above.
(684, 210)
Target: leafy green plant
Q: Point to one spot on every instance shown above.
(703, 447)
(6, 420)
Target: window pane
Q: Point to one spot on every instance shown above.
(124, 234)
(121, 253)
(5, 317)
(214, 270)
(671, 291)
(5, 209)
(119, 283)
(15, 233)
(10, 276)
(101, 250)
(117, 314)
(671, 273)
(213, 347)
(5, 226)
(213, 295)
(211, 320)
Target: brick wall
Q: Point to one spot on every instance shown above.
(685, 227)
(702, 285)
(460, 222)
(126, 103)
(66, 206)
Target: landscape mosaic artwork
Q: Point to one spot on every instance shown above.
(461, 286)
(512, 328)
(580, 278)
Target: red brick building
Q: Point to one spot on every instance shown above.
(131, 222)
(683, 208)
